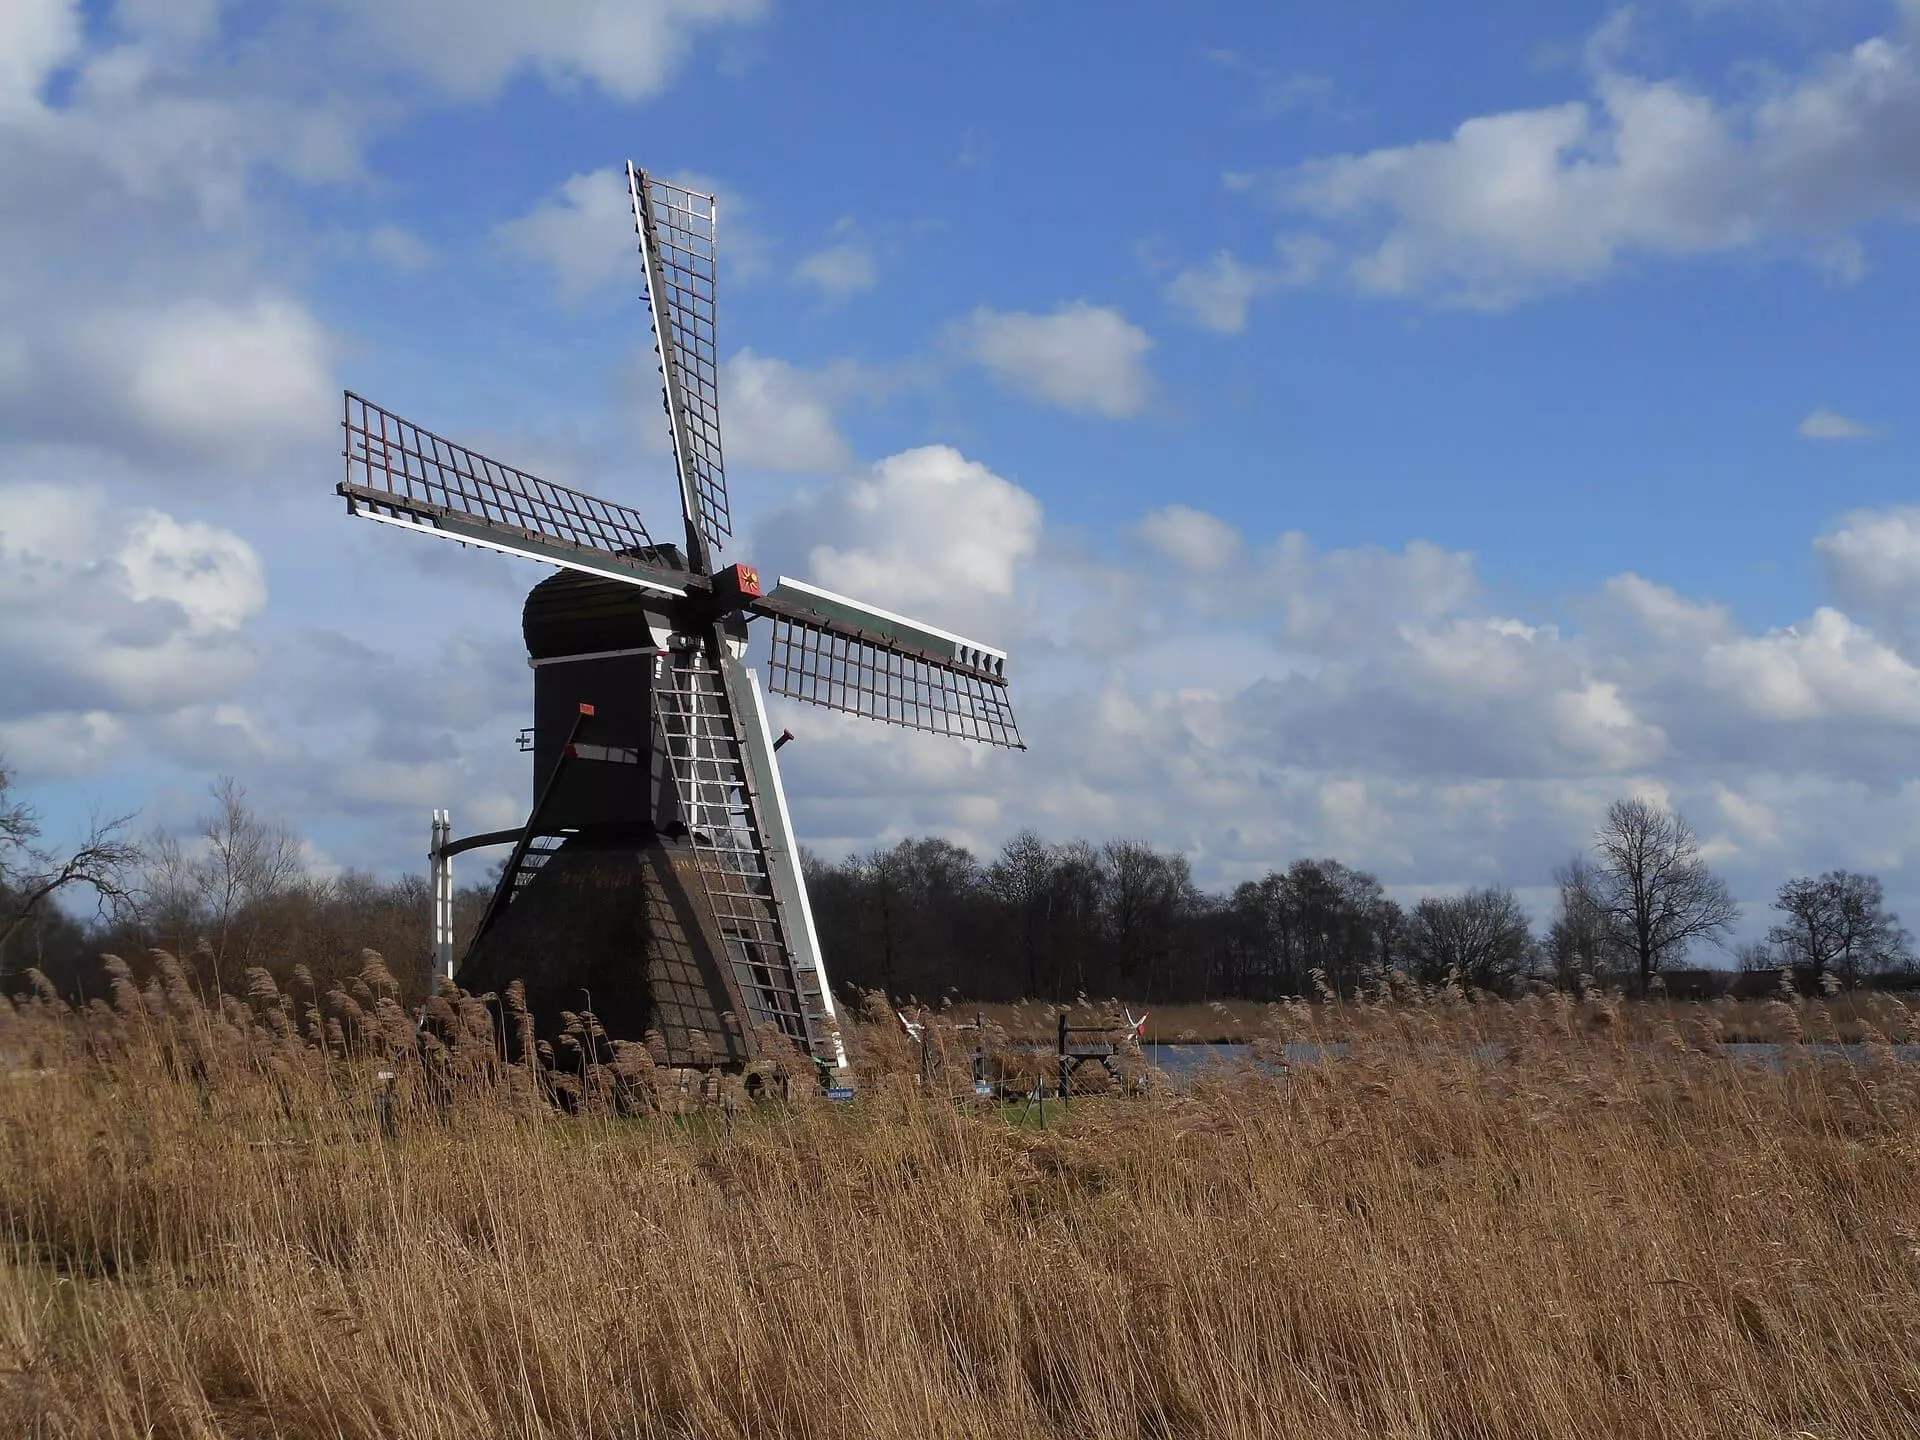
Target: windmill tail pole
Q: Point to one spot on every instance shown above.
(505, 887)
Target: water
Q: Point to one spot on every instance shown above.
(1774, 1057)
(1185, 1061)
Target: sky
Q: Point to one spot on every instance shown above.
(1388, 432)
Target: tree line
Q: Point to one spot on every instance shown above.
(927, 918)
(227, 893)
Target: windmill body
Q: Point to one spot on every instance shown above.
(656, 881)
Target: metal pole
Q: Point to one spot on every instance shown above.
(1063, 1054)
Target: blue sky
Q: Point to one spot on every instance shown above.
(1384, 431)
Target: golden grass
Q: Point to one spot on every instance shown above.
(1853, 1017)
(1615, 1231)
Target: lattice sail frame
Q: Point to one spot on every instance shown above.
(843, 672)
(678, 236)
(402, 474)
(700, 736)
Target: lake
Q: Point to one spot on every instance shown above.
(1188, 1060)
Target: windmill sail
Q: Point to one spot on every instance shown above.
(676, 228)
(400, 474)
(835, 652)
(775, 971)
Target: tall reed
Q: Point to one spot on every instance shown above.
(1612, 1229)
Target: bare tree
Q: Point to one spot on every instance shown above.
(1583, 939)
(217, 884)
(31, 874)
(1838, 925)
(1481, 936)
(248, 861)
(1657, 891)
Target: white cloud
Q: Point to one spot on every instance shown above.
(164, 165)
(212, 575)
(138, 312)
(1361, 702)
(1830, 667)
(211, 376)
(118, 612)
(1216, 296)
(629, 48)
(1081, 357)
(584, 231)
(229, 382)
(781, 417)
(1191, 537)
(1825, 424)
(1517, 203)
(925, 528)
(1872, 561)
(1667, 617)
(63, 744)
(843, 269)
(169, 24)
(400, 247)
(36, 37)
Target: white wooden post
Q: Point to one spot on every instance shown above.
(442, 885)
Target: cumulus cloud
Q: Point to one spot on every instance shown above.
(1825, 424)
(1872, 562)
(207, 375)
(62, 744)
(927, 528)
(107, 613)
(1215, 296)
(1513, 204)
(1828, 668)
(162, 162)
(1081, 357)
(1190, 537)
(400, 247)
(839, 270)
(196, 378)
(36, 36)
(782, 417)
(584, 231)
(629, 48)
(1364, 702)
(138, 314)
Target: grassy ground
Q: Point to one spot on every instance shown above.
(1615, 1231)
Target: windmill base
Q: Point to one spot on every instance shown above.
(619, 926)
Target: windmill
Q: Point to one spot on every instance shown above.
(656, 880)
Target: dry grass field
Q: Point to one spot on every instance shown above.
(1852, 1018)
(1613, 1230)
